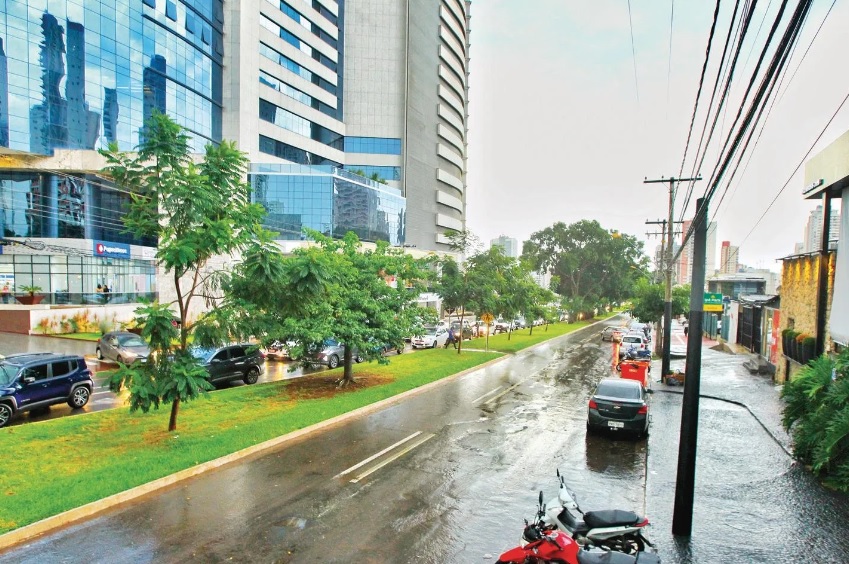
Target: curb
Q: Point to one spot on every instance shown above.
(34, 530)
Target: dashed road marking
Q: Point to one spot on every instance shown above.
(508, 390)
(381, 453)
(476, 400)
(423, 439)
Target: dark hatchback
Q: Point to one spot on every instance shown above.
(243, 362)
(619, 405)
(33, 380)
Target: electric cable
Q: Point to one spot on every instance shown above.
(790, 35)
(633, 53)
(716, 83)
(795, 170)
(669, 66)
(701, 83)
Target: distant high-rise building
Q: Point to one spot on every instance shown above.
(728, 258)
(4, 98)
(798, 248)
(813, 229)
(508, 244)
(685, 263)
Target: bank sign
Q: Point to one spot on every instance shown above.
(104, 249)
(713, 302)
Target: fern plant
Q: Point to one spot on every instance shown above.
(816, 412)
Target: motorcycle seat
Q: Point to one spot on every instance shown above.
(600, 557)
(610, 518)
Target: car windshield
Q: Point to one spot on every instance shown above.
(430, 331)
(7, 373)
(618, 389)
(131, 341)
(632, 340)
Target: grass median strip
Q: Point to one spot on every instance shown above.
(71, 461)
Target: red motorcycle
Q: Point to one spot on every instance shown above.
(544, 543)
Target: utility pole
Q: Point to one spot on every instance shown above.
(682, 515)
(667, 306)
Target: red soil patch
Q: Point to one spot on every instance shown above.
(318, 387)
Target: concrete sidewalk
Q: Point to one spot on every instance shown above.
(753, 503)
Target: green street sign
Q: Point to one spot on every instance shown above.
(713, 302)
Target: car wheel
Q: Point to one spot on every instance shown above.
(98, 353)
(79, 397)
(400, 350)
(433, 346)
(333, 361)
(252, 376)
(358, 359)
(5, 414)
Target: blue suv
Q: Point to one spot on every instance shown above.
(32, 380)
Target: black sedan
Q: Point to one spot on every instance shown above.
(619, 405)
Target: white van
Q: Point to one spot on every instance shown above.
(636, 340)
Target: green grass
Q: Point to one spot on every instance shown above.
(70, 461)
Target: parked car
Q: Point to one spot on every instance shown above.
(632, 340)
(32, 380)
(468, 332)
(502, 326)
(123, 347)
(519, 323)
(619, 405)
(607, 333)
(243, 362)
(431, 338)
(279, 350)
(331, 353)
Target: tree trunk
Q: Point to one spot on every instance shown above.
(658, 336)
(531, 332)
(348, 371)
(175, 408)
(460, 340)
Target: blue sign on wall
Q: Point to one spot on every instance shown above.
(106, 249)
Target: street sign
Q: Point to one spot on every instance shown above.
(713, 302)
(487, 318)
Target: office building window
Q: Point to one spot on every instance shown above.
(373, 145)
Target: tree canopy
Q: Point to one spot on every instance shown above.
(591, 265)
(335, 289)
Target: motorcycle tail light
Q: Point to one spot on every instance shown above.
(593, 404)
(644, 409)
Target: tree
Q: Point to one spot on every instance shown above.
(477, 284)
(195, 212)
(335, 289)
(649, 301)
(593, 266)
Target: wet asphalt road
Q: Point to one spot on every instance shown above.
(461, 466)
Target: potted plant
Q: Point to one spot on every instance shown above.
(790, 343)
(785, 340)
(809, 348)
(797, 347)
(31, 298)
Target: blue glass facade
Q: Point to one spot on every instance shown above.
(327, 199)
(79, 74)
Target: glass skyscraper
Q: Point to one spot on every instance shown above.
(352, 112)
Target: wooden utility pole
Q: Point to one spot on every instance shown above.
(667, 306)
(682, 515)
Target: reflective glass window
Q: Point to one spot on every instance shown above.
(373, 145)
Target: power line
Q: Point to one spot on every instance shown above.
(776, 100)
(790, 35)
(798, 166)
(719, 71)
(701, 83)
(669, 66)
(633, 53)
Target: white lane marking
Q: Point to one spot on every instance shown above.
(504, 392)
(418, 443)
(476, 400)
(381, 453)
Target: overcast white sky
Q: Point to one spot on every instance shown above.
(560, 130)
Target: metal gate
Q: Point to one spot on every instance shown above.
(745, 327)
